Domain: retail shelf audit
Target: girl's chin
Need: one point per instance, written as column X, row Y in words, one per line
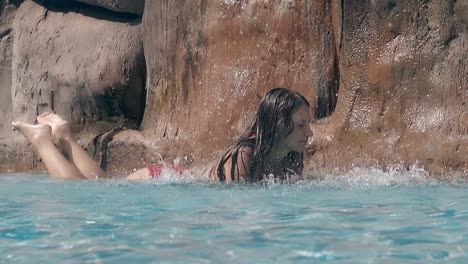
column 299, row 149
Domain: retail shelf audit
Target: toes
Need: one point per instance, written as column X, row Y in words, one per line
column 43, row 115
column 42, row 118
column 15, row 125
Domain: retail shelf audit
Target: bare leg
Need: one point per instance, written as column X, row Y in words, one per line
column 78, row 156
column 40, row 137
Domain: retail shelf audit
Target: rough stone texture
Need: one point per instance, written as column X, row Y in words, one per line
column 401, row 70
column 84, row 68
column 7, row 12
column 387, row 79
column 403, row 95
column 8, row 147
column 78, row 66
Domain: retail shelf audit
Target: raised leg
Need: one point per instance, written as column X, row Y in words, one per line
column 40, row 137
column 78, row 156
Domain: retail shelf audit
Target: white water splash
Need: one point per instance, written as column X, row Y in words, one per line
column 360, row 178
column 373, row 177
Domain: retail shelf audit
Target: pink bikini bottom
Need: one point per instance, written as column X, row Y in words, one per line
column 155, row 171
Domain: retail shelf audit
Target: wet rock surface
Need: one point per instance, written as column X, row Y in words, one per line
column 76, row 65
column 7, row 14
column 403, row 92
column 387, row 79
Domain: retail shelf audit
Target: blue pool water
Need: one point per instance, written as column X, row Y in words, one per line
column 363, row 217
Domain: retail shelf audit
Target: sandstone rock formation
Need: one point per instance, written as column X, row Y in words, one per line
column 399, row 67
column 9, row 146
column 387, row 79
column 404, row 86
column 87, row 68
column 7, row 12
column 90, row 66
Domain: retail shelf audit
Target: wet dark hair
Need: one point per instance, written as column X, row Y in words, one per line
column 271, row 125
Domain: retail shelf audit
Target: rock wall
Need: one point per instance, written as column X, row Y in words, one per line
column 86, row 65
column 387, row 79
column 82, row 63
column 403, row 87
column 8, row 144
column 399, row 69
column 7, row 12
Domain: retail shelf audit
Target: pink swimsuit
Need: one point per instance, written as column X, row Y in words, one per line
column 155, row 171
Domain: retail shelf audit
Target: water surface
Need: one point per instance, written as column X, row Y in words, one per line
column 365, row 217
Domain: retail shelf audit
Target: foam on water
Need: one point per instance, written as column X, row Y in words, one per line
column 373, row 177
column 363, row 178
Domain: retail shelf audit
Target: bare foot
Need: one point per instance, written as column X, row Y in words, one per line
column 60, row 127
column 33, row 133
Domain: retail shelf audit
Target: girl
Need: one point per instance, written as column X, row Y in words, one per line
column 272, row 145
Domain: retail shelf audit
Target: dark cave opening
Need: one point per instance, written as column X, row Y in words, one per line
column 97, row 12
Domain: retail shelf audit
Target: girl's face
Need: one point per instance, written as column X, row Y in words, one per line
column 298, row 138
